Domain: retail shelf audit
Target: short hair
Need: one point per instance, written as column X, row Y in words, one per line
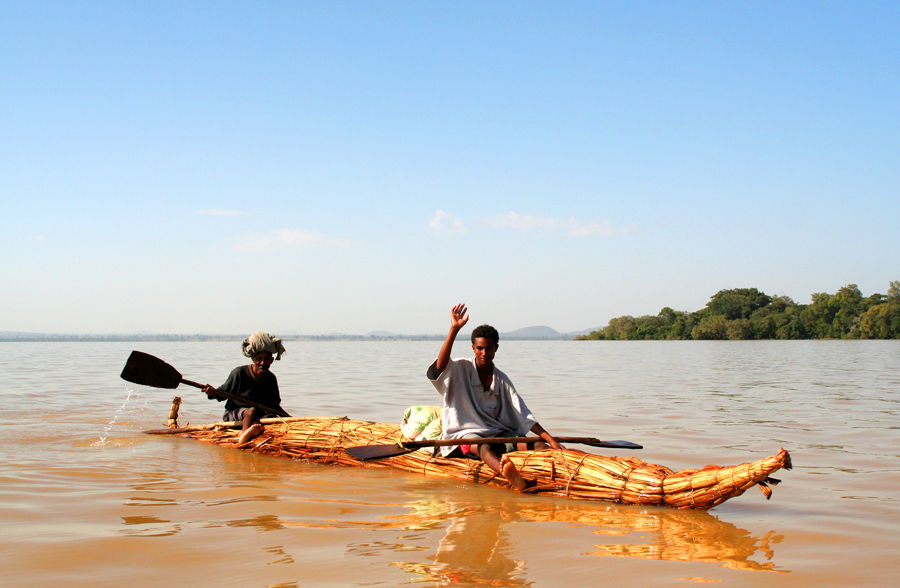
column 487, row 332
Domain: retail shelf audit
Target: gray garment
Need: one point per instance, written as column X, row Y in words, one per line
column 469, row 409
column 243, row 384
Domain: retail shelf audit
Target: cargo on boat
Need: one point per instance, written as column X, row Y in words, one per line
column 569, row 473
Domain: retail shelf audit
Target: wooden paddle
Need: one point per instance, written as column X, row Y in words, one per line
column 367, row 452
column 147, row 370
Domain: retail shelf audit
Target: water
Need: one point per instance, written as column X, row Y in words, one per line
column 87, row 500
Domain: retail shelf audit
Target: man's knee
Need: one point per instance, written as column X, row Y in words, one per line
column 485, row 450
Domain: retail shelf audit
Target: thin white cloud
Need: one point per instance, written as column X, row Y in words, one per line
column 35, row 237
column 603, row 228
column 220, row 212
column 568, row 226
column 521, row 222
column 279, row 239
column 444, row 222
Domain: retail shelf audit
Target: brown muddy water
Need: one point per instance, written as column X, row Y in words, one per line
column 86, row 499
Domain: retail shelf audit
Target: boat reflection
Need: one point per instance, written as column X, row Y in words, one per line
column 476, row 547
column 475, row 550
column 688, row 536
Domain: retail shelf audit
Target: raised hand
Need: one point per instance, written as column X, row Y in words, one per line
column 459, row 316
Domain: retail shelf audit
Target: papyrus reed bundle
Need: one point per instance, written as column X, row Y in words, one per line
column 569, row 473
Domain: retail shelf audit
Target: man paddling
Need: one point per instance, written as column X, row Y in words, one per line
column 255, row 382
column 481, row 401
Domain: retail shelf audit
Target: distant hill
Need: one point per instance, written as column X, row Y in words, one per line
column 537, row 332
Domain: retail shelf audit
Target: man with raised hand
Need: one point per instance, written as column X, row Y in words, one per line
column 481, row 401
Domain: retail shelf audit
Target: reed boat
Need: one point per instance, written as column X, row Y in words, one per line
column 569, row 473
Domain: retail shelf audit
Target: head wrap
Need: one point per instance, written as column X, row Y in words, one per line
column 260, row 341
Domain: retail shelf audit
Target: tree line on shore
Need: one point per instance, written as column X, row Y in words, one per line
column 747, row 313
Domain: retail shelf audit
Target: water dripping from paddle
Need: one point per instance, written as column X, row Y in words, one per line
column 131, row 395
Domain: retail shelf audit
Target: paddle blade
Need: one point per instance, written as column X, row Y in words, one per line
column 367, row 452
column 147, row 370
column 615, row 444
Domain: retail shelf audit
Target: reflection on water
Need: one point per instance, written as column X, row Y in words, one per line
column 475, row 549
column 144, row 526
column 281, row 557
column 476, row 545
column 262, row 522
column 476, row 542
column 682, row 536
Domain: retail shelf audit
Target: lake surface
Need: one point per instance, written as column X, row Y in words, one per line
column 86, row 499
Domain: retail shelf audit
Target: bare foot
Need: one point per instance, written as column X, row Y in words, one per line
column 251, row 432
column 512, row 475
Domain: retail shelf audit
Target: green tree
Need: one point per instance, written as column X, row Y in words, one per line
column 848, row 306
column 765, row 321
column 881, row 322
column 711, row 327
column 738, row 303
column 683, row 326
column 747, row 313
column 647, row 327
column 738, row 329
column 620, row 328
column 818, row 317
column 763, row 325
column 668, row 326
column 789, row 324
column 894, row 292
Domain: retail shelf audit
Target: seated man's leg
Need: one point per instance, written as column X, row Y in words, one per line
column 250, row 428
column 532, row 445
column 505, row 468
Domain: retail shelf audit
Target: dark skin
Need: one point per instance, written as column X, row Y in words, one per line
column 485, row 349
column 250, row 425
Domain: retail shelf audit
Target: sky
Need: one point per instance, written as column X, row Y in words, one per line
column 348, row 167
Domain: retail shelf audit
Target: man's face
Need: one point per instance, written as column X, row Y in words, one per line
column 484, row 349
column 262, row 361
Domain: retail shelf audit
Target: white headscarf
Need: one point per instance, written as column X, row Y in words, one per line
column 260, row 341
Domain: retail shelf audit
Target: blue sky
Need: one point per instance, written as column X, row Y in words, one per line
column 319, row 167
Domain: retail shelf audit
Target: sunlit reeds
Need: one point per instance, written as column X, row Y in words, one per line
column 568, row 473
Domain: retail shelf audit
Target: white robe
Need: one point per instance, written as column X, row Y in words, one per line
column 469, row 409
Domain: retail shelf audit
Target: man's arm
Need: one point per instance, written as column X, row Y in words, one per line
column 538, row 430
column 212, row 392
column 459, row 316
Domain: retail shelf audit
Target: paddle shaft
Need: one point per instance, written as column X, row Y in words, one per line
column 367, row 452
column 497, row 440
column 239, row 399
